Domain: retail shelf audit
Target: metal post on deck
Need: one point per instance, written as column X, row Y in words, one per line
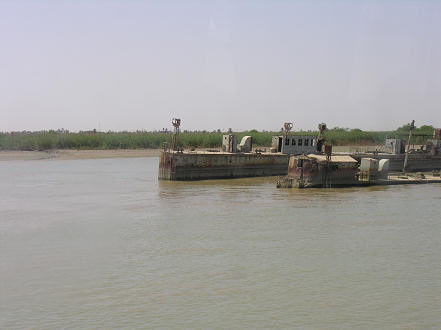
column 287, row 127
column 321, row 140
column 327, row 179
column 412, row 127
column 176, row 122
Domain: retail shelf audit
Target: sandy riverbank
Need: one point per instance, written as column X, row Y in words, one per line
column 122, row 153
column 78, row 154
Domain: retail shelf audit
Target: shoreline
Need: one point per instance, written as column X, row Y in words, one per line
column 69, row 154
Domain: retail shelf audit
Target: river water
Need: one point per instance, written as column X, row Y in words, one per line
column 102, row 244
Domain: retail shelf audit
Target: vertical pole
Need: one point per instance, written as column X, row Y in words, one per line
column 321, row 137
column 176, row 122
column 328, row 153
column 406, row 158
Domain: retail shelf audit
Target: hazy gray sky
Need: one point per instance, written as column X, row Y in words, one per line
column 127, row 65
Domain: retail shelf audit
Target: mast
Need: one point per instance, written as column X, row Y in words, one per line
column 176, row 122
column 412, row 127
column 287, row 127
column 321, row 140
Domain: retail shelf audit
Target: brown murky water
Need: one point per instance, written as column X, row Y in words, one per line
column 103, row 244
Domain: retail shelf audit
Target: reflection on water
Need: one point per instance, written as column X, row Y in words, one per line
column 103, row 244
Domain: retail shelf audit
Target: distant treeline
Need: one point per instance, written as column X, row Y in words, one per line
column 62, row 139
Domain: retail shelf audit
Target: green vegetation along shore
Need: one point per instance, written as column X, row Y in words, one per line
column 48, row 140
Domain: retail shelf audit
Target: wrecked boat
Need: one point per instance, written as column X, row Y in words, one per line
column 235, row 160
column 328, row 171
column 241, row 159
column 320, row 171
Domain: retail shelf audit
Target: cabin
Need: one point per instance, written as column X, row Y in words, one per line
column 294, row 144
column 394, row 146
column 433, row 147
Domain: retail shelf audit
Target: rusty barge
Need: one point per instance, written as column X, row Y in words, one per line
column 401, row 156
column 182, row 166
column 328, row 171
column 238, row 160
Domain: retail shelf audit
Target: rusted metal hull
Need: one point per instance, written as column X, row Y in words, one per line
column 304, row 171
column 322, row 179
column 180, row 166
column 342, row 171
column 199, row 166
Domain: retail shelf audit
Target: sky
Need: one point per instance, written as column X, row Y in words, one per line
column 134, row 65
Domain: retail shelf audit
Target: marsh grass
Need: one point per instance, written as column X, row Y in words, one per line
column 48, row 140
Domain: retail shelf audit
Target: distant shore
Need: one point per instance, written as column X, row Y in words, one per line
column 67, row 154
column 141, row 140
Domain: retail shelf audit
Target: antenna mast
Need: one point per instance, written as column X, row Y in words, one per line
column 287, row 127
column 412, row 127
column 176, row 122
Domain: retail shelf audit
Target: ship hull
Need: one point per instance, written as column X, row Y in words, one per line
column 417, row 162
column 189, row 166
column 180, row 166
